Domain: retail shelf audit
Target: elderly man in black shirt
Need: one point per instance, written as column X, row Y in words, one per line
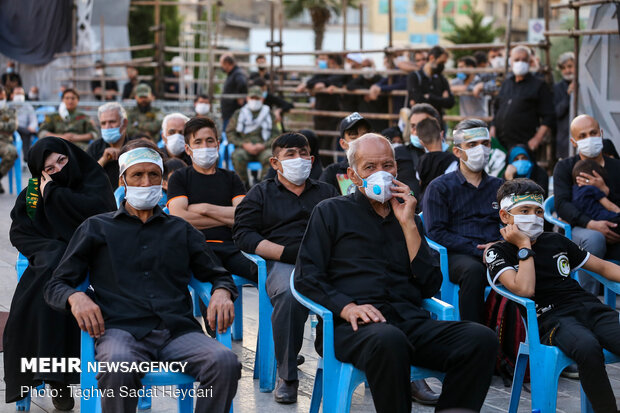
column 139, row 262
column 524, row 111
column 236, row 84
column 270, row 221
column 364, row 257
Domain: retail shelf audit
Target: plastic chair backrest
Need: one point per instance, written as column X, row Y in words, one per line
column 549, row 207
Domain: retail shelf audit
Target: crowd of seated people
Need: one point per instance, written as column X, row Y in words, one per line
column 350, row 231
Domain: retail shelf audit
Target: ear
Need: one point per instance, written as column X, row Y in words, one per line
column 275, row 164
column 573, row 142
column 121, row 182
column 312, row 159
column 343, row 144
column 357, row 181
column 456, row 151
column 188, row 150
column 504, row 216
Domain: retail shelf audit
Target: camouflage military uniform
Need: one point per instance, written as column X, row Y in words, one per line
column 8, row 152
column 77, row 122
column 148, row 122
column 240, row 158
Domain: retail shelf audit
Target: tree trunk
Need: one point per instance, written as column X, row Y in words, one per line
column 320, row 17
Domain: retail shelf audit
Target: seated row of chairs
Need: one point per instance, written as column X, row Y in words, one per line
column 335, row 381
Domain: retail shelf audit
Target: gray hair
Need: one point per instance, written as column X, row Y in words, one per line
column 564, row 58
column 106, row 107
column 353, row 147
column 175, row 115
column 522, row 49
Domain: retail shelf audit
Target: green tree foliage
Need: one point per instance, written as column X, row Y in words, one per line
column 320, row 12
column 472, row 32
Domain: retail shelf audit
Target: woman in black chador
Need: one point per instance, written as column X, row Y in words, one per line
column 68, row 186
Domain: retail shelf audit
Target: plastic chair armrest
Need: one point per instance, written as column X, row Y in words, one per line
column 443, row 310
column 612, row 285
column 203, row 289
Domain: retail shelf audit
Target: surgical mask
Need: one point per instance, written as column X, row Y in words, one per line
column 415, row 141
column 531, row 225
column 175, row 144
column 524, row 167
column 296, row 170
column 520, row 68
column 111, row 135
column 444, row 146
column 461, row 76
column 19, row 98
column 98, row 72
column 205, row 157
column 369, row 75
column 143, row 198
column 347, row 66
column 202, row 108
column 264, row 95
column 10, row 70
column 33, row 96
column 322, row 64
column 497, row 62
column 378, row 186
column 590, row 147
column 568, row 78
column 477, row 157
column 255, row 105
column 176, row 69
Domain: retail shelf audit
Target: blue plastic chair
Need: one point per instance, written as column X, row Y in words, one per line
column 336, row 381
column 42, row 111
column 549, row 207
column 16, row 170
column 265, row 359
column 182, row 381
column 546, row 362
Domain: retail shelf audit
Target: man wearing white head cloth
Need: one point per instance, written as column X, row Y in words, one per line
column 460, row 213
column 139, row 261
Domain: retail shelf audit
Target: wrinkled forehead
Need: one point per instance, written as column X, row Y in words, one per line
column 143, row 167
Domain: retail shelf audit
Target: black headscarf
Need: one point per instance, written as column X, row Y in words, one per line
column 79, row 190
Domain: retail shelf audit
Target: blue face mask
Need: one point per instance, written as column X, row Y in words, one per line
column 444, row 146
column 322, row 64
column 265, row 95
column 415, row 141
column 176, row 69
column 111, row 135
column 524, row 167
column 461, row 76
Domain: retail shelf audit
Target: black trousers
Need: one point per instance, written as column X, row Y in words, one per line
column 465, row 351
column 582, row 331
column 233, row 260
column 26, row 139
column 471, row 275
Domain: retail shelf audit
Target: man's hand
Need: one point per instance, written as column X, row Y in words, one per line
column 248, row 147
column 318, row 87
column 300, row 88
column 87, row 313
column 221, row 309
column 109, row 154
column 604, row 227
column 594, row 179
column 404, row 212
column 478, row 89
column 492, row 131
column 571, row 87
column 485, row 247
column 445, row 94
column 513, row 235
column 45, row 179
column 367, row 313
column 534, row 143
column 510, row 172
column 68, row 136
column 259, row 147
column 374, row 92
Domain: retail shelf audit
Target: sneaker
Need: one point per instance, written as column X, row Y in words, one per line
column 571, row 372
column 64, row 400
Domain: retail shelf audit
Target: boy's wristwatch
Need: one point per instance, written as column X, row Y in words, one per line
column 525, row 253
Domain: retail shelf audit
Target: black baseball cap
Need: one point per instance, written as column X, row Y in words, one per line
column 350, row 121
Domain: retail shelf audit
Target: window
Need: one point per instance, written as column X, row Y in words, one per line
column 489, row 8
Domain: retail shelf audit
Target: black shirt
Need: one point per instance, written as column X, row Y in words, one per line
column 220, row 188
column 351, row 254
column 407, row 160
column 236, row 83
column 335, row 172
column 419, row 84
column 139, row 271
column 96, row 149
column 270, row 211
column 520, row 108
column 183, row 156
column 433, row 165
column 563, row 189
column 556, row 256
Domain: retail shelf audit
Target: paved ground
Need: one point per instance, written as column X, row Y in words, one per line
column 248, row 398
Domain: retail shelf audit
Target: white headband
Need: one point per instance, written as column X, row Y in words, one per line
column 513, row 200
column 139, row 155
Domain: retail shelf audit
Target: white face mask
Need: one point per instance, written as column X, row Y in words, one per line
column 378, row 186
column 477, row 157
column 19, row 98
column 202, row 108
column 590, row 147
column 520, row 68
column 143, row 198
column 175, row 144
column 255, row 105
column 497, row 62
column 205, row 157
column 2, row 103
column 296, row 170
column 98, row 72
column 531, row 225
